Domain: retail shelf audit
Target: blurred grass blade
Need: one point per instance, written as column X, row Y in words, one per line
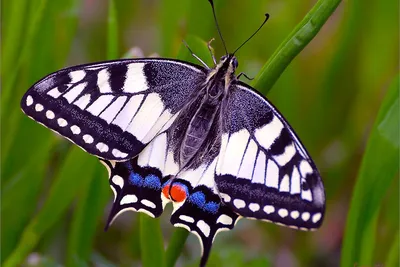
column 393, row 259
column 33, row 28
column 87, row 216
column 379, row 167
column 170, row 17
column 13, row 27
column 151, row 240
column 22, row 193
column 368, row 241
column 112, row 31
column 71, row 177
column 304, row 32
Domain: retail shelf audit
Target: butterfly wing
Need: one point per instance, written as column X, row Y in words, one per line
column 263, row 171
column 113, row 109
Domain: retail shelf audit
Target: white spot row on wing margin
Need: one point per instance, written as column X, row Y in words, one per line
column 76, row 130
column 268, row 209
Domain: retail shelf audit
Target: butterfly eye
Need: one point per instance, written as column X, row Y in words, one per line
column 235, row 63
column 224, row 57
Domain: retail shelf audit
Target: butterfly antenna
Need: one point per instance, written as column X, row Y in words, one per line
column 259, row 28
column 216, row 23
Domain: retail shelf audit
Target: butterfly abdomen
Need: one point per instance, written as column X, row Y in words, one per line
column 198, row 129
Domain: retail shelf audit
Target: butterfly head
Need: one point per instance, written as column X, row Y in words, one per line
column 224, row 72
column 230, row 59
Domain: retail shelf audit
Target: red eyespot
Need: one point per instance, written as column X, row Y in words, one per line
column 177, row 193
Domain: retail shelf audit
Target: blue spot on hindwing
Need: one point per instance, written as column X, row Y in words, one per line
column 198, row 198
column 152, row 181
column 211, row 207
column 136, row 179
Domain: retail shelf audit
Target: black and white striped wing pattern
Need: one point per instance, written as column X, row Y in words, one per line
column 263, row 171
column 113, row 109
column 149, row 181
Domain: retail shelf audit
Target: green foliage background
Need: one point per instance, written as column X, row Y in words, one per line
column 340, row 94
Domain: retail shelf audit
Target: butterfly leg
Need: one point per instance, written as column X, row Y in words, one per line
column 244, row 74
column 211, row 51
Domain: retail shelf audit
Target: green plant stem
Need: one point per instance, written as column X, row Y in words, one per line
column 373, row 181
column 304, row 32
column 175, row 246
column 151, row 242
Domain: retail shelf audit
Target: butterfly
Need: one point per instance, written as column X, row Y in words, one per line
column 171, row 131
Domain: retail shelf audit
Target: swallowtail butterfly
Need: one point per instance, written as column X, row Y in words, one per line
column 171, row 131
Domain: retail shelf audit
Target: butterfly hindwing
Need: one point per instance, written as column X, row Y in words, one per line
column 205, row 215
column 201, row 210
column 135, row 188
column 263, row 171
column 113, row 109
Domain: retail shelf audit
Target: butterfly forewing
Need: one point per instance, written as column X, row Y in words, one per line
column 113, row 109
column 263, row 170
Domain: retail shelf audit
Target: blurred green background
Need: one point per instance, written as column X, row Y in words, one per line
column 340, row 94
